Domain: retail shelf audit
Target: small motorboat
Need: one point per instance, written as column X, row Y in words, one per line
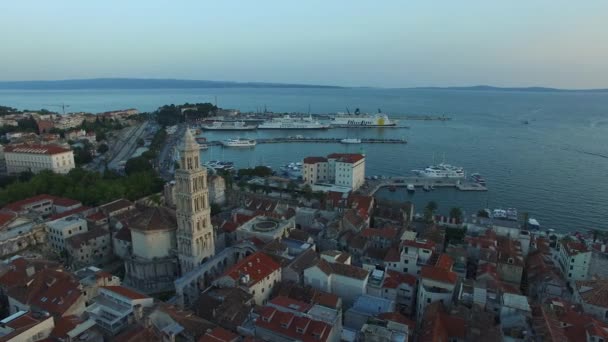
column 411, row 188
column 426, row 188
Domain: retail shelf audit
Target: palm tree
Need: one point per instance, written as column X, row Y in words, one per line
column 456, row 214
column 429, row 211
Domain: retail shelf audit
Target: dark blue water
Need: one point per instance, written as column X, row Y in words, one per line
column 556, row 167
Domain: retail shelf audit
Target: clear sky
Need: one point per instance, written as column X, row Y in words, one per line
column 342, row 42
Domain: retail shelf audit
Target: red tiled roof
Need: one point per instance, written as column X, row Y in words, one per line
column 329, row 300
column 6, row 217
column 594, row 292
column 298, row 328
column 574, row 247
column 22, row 321
column 438, row 274
column 125, row 292
column 17, row 274
column 63, row 325
column 65, row 202
column 346, row 157
column 36, row 149
column 258, row 266
column 392, row 279
column 229, row 226
column 51, row 290
column 349, row 271
column 314, row 160
column 445, row 262
column 61, row 201
column 419, row 244
column 98, row 216
column 392, row 255
column 219, row 334
column 123, row 234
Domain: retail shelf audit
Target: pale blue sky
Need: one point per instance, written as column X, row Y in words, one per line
column 373, row 43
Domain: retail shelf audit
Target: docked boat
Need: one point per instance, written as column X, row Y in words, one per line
column 533, row 224
column 227, row 126
column 411, row 188
column 219, row 165
column 350, row 141
column 238, row 142
column 426, row 188
column 442, row 170
column 477, row 178
column 362, row 120
column 508, row 214
column 287, row 122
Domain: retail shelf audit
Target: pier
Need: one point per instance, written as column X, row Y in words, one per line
column 372, row 186
column 315, row 140
column 427, row 117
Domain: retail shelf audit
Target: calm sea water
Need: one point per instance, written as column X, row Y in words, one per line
column 556, row 167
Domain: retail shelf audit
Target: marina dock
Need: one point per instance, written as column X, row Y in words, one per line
column 314, row 140
column 372, row 186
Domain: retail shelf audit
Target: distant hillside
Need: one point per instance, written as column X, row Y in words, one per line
column 142, row 83
column 525, row 89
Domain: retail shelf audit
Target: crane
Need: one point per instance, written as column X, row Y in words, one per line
column 63, row 106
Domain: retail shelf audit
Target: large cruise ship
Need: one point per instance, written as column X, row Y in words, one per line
column 288, row 122
column 238, row 142
column 362, row 120
column 442, row 170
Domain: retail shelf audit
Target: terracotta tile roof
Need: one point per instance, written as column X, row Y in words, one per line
column 98, row 216
column 445, row 262
column 123, row 234
column 363, row 203
column 424, row 244
column 385, row 233
column 63, row 325
column 227, row 307
column 125, row 292
column 342, row 269
column 23, row 321
column 438, row 274
column 6, row 217
column 17, row 275
column 346, row 157
column 392, row 279
column 305, row 260
column 392, row 255
column 19, row 205
column 219, row 334
column 153, row 218
column 258, row 266
column 329, row 300
column 314, row 160
column 195, row 326
column 35, row 149
column 298, row 328
column 137, row 334
column 437, row 325
column 54, row 291
column 574, row 247
column 229, row 226
column 594, row 292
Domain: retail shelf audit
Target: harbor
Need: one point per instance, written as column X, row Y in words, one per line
column 301, row 139
column 420, row 183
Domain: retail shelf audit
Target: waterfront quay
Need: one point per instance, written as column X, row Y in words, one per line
column 372, row 186
column 315, row 140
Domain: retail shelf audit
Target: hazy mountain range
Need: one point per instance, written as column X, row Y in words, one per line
column 145, row 83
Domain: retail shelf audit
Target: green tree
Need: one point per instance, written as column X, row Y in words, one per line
column 429, row 211
column 102, row 148
column 242, row 184
column 138, row 164
column 215, row 209
column 307, row 191
column 483, row 213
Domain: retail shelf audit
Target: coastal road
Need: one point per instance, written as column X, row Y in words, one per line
column 165, row 162
column 125, row 145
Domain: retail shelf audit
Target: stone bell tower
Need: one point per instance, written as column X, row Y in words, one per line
column 195, row 236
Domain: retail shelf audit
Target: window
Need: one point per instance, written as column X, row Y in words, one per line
column 428, row 300
column 569, row 275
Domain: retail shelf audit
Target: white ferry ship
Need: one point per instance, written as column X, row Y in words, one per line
column 350, row 141
column 238, row 142
column 442, row 170
column 288, row 122
column 362, row 120
column 227, row 126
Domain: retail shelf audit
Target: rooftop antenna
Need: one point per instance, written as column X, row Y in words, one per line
column 216, row 101
column 62, row 105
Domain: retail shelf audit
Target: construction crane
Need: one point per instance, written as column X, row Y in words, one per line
column 63, row 106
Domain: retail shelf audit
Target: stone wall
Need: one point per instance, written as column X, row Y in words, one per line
column 37, row 236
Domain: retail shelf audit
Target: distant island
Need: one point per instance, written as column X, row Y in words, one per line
column 157, row 83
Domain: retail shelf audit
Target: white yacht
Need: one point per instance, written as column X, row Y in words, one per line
column 442, row 170
column 410, row 188
column 227, row 126
column 238, row 142
column 287, row 122
column 350, row 141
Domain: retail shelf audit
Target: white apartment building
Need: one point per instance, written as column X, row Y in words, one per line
column 62, row 229
column 436, row 284
column 346, row 281
column 343, row 169
column 36, row 158
column 574, row 259
column 413, row 254
column 115, row 307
